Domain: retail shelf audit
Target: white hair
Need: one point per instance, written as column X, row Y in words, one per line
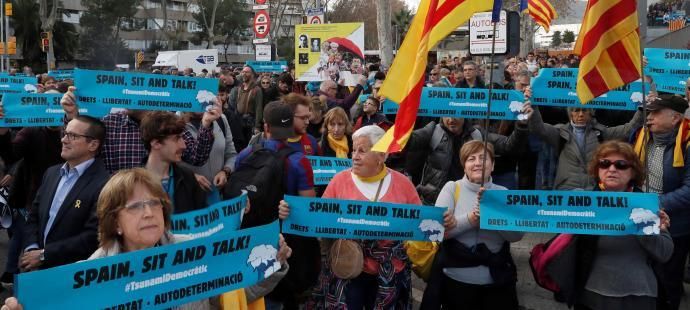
column 373, row 132
column 325, row 85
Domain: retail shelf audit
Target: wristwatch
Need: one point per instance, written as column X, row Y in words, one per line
column 42, row 256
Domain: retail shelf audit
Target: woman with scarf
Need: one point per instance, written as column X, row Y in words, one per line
column 383, row 280
column 473, row 268
column 336, row 140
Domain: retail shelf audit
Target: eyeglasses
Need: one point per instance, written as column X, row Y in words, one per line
column 619, row 164
column 138, row 207
column 70, row 136
column 303, row 118
column 433, row 74
column 265, row 83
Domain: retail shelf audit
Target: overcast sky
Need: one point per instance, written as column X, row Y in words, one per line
column 412, row 4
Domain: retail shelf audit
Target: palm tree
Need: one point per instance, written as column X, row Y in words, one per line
column 27, row 27
column 401, row 23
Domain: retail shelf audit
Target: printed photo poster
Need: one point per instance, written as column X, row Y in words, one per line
column 329, row 51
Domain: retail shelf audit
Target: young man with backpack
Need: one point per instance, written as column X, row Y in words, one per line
column 267, row 171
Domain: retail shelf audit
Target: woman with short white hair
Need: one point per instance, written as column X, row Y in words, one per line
column 365, row 274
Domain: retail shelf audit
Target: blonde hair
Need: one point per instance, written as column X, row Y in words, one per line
column 334, row 114
column 475, row 146
column 114, row 196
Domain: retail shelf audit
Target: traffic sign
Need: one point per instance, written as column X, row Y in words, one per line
column 260, row 41
column 316, row 19
column 260, row 7
column 262, row 24
column 260, row 1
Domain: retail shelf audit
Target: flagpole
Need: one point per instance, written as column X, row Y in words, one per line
column 488, row 105
column 642, row 26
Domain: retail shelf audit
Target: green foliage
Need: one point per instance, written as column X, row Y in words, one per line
column 568, row 37
column 101, row 23
column 27, row 29
column 556, row 39
column 232, row 19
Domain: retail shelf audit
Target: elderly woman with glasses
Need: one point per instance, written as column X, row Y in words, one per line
column 379, row 276
column 134, row 213
column 615, row 272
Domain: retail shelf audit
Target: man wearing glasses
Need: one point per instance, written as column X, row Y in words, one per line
column 664, row 153
column 471, row 78
column 62, row 225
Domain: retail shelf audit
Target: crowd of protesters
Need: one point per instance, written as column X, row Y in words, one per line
column 131, row 170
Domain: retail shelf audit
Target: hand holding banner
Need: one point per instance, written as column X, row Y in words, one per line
column 141, row 91
column 158, row 277
column 353, row 219
column 573, row 212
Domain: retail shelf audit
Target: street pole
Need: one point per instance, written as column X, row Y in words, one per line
column 2, row 36
column 7, row 36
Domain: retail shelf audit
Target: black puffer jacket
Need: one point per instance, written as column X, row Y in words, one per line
column 430, row 154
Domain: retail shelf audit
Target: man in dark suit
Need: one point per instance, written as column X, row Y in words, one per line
column 62, row 225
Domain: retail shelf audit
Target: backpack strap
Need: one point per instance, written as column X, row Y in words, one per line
column 436, row 137
column 221, row 124
column 477, row 135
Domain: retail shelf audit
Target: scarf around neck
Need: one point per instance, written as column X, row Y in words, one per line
column 682, row 142
column 339, row 146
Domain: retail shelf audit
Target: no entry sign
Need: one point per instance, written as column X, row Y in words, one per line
column 262, row 24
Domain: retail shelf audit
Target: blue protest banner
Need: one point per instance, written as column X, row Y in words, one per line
column 661, row 61
column 221, row 216
column 668, row 68
column 670, row 83
column 574, row 212
column 156, row 278
column 325, row 168
column 557, row 87
column 466, row 103
column 142, row 91
column 268, row 66
column 352, row 219
column 66, row 74
column 36, row 110
column 17, row 84
column 32, row 110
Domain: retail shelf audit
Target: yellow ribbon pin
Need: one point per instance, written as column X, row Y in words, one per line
column 77, row 204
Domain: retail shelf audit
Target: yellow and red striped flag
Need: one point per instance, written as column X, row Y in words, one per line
column 676, row 24
column 435, row 19
column 609, row 47
column 540, row 10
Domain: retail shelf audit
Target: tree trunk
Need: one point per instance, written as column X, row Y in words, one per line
column 47, row 24
column 385, row 31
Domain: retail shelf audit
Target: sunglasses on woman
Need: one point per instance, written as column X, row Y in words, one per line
column 619, row 164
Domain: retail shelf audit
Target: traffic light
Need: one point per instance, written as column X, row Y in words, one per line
column 45, row 41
